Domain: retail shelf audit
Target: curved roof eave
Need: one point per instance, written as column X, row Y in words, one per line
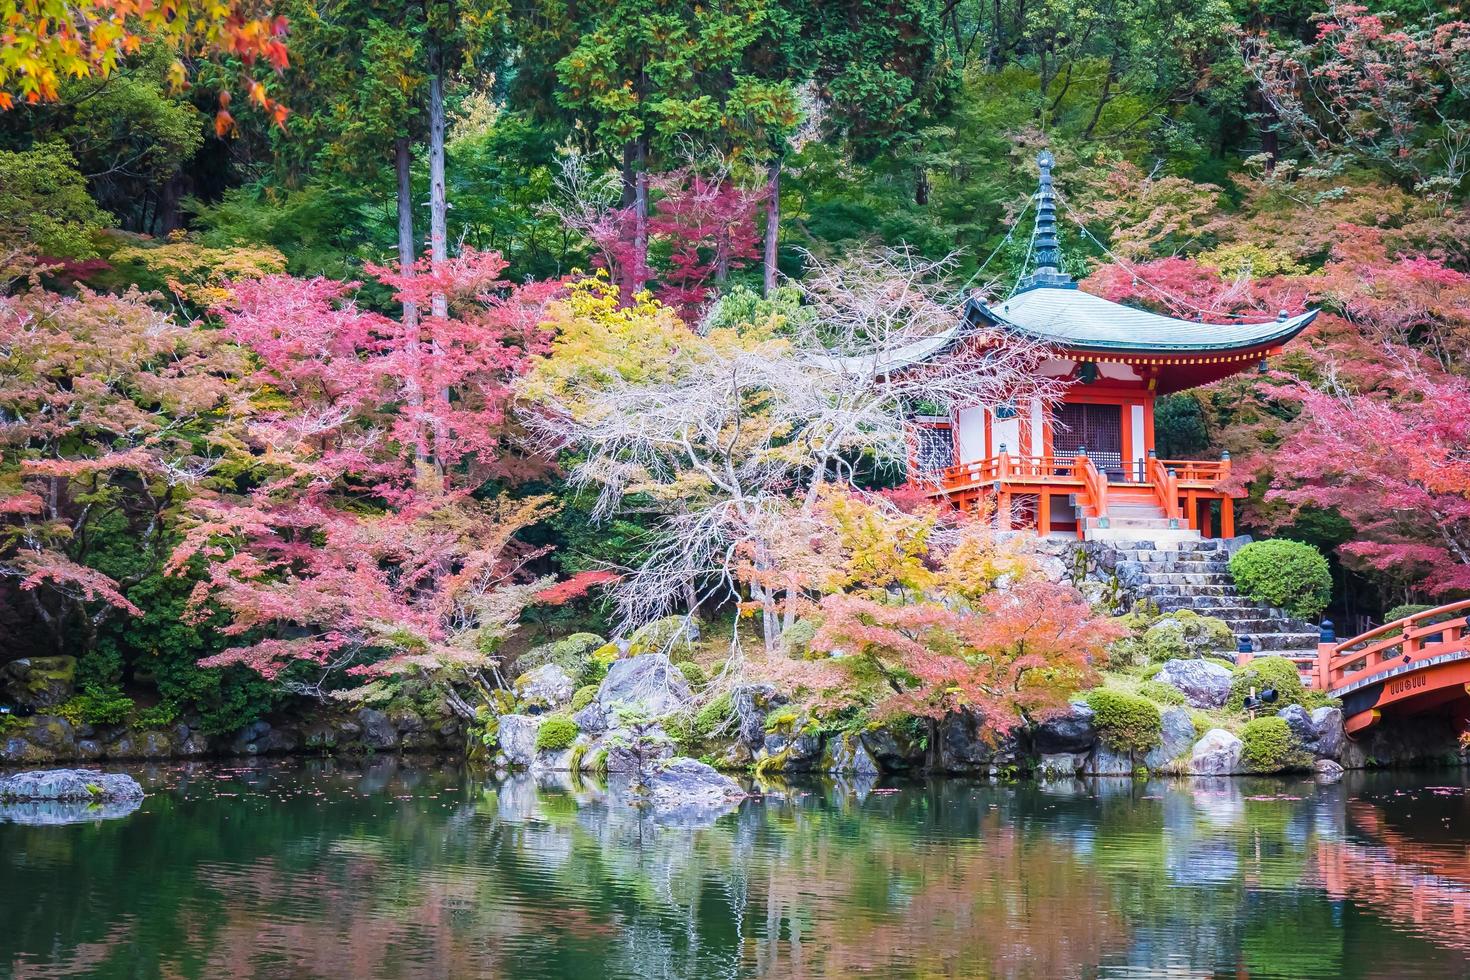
column 1091, row 323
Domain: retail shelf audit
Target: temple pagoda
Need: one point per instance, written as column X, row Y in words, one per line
column 1086, row 464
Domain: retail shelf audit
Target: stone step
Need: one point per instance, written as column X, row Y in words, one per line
column 1182, row 537
column 1192, row 567
column 1185, row 578
column 1161, row 592
column 1297, row 643
column 1155, row 556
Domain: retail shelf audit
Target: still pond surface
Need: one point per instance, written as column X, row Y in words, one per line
column 313, row 870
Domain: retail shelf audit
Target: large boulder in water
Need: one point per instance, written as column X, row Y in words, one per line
column 518, row 738
column 1216, row 754
column 1327, row 723
column 683, row 782
column 1203, row 684
column 966, row 746
column 751, row 704
column 1177, row 736
column 75, row 785
column 65, row 796
column 1071, row 733
column 648, row 684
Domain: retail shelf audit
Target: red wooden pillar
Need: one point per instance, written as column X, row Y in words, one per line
column 1227, row 517
column 1043, row 512
column 1205, row 519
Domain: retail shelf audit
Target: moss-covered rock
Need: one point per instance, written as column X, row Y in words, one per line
column 556, row 733
column 570, row 653
column 672, row 635
column 1125, row 722
column 1268, row 746
column 1277, row 673
column 583, row 696
column 39, row 682
column 1160, row 693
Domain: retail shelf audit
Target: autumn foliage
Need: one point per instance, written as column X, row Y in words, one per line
column 932, row 614
column 361, row 543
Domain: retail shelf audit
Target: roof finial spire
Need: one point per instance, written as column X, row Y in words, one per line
column 1048, row 248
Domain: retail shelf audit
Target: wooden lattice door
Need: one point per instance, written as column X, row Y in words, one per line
column 1095, row 428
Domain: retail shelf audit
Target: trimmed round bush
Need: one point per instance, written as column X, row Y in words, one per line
column 1274, row 672
column 556, row 733
column 1268, row 746
column 1184, row 635
column 1160, row 693
column 584, row 696
column 1287, row 574
column 1126, row 722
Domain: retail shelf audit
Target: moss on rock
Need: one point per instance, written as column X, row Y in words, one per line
column 1277, row 673
column 1125, row 722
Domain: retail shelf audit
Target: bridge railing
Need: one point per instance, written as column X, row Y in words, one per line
column 1391, row 645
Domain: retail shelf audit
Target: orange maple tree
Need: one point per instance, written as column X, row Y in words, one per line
column 43, row 42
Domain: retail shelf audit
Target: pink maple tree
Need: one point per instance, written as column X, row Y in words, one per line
column 1396, row 463
column 700, row 228
column 109, row 420
column 361, row 540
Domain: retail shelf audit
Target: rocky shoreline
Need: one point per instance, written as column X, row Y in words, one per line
column 639, row 718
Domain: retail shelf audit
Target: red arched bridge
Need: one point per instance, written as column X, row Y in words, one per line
column 1410, row 666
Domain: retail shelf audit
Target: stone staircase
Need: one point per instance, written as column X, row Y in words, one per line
column 1195, row 575
column 1134, row 513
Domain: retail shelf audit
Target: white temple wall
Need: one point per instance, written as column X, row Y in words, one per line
column 1006, row 432
column 1139, row 448
column 971, row 435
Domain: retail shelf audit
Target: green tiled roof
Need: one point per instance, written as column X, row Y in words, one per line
column 1068, row 317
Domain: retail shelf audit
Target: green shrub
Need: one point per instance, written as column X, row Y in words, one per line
column 693, row 673
column 97, row 706
column 1287, row 574
column 595, row 668
column 1126, row 722
column 1269, row 746
column 798, row 639
column 556, row 733
column 570, row 653
column 1160, row 693
column 713, row 715
column 1404, row 610
column 1150, row 671
column 584, row 696
column 1156, row 638
column 1273, row 672
column 669, row 635
column 161, row 715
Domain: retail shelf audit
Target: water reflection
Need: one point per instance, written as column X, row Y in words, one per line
column 310, row 870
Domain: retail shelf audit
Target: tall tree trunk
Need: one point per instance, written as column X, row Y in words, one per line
column 407, row 247
column 438, row 201
column 407, row 255
column 640, row 220
column 438, row 219
column 633, row 276
column 773, row 220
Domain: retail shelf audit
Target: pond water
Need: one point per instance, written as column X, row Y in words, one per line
column 309, row 869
